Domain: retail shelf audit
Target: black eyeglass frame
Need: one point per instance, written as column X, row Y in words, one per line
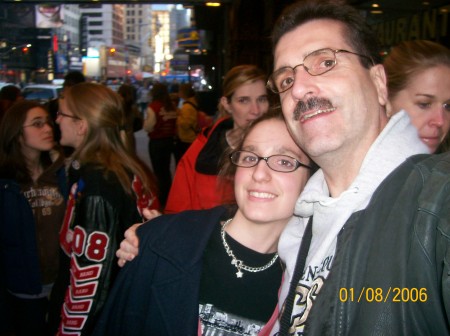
column 298, row 164
column 62, row 114
column 271, row 82
column 40, row 123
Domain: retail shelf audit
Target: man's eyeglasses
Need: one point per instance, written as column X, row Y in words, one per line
column 316, row 63
column 61, row 114
column 279, row 163
column 40, row 123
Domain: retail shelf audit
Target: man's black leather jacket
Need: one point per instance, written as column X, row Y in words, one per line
column 391, row 272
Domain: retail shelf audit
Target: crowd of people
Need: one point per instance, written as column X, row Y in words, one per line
column 344, row 229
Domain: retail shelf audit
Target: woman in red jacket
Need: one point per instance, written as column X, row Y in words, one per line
column 195, row 183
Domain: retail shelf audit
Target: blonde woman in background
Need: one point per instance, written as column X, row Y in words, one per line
column 418, row 74
column 244, row 98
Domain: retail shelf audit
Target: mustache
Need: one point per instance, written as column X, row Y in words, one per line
column 312, row 104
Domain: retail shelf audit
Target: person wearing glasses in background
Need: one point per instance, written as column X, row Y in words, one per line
column 368, row 253
column 210, row 271
column 109, row 188
column 70, row 79
column 32, row 205
column 418, row 80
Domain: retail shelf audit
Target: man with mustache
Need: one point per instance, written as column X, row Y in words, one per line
column 373, row 223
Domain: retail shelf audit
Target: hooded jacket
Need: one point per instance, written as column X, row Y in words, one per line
column 195, row 184
column 394, row 256
column 379, row 235
column 19, row 262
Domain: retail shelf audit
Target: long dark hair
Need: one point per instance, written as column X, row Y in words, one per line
column 12, row 161
column 159, row 92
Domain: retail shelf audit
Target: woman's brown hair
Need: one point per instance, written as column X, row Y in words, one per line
column 106, row 143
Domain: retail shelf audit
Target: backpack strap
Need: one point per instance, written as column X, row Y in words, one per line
column 192, row 104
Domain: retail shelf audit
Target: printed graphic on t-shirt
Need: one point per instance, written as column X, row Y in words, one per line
column 306, row 292
column 43, row 199
column 217, row 322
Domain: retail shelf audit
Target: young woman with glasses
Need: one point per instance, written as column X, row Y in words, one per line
column 32, row 205
column 109, row 187
column 195, row 185
column 205, row 271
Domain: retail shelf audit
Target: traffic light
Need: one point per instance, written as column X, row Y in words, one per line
column 112, row 51
column 25, row 50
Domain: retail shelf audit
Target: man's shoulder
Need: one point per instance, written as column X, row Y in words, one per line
column 431, row 171
column 425, row 165
column 420, row 183
column 434, row 162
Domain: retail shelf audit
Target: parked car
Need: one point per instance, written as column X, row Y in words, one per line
column 2, row 84
column 41, row 92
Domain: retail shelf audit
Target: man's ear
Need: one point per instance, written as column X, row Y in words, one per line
column 379, row 79
column 225, row 104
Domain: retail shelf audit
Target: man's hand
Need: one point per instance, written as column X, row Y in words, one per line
column 129, row 247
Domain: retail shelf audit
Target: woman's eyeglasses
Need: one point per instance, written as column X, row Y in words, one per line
column 279, row 163
column 61, row 114
column 40, row 123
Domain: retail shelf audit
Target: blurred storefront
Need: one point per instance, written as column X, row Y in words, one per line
column 216, row 39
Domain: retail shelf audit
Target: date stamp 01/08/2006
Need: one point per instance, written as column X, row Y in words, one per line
column 391, row 294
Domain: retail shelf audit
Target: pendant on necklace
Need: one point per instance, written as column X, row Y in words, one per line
column 239, row 274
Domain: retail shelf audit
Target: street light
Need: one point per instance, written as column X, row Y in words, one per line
column 23, row 46
column 25, row 49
